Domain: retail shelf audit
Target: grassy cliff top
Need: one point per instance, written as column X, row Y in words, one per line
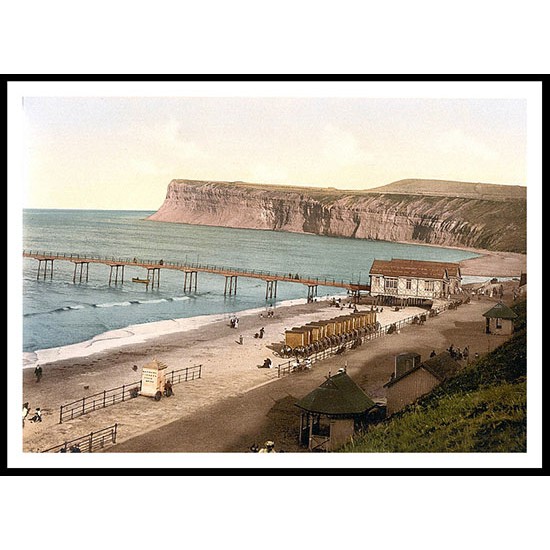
column 426, row 187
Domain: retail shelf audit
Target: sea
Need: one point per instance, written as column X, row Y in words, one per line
column 58, row 312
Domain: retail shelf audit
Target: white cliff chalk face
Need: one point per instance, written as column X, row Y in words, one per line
column 493, row 223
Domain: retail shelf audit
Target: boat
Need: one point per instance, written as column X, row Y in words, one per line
column 138, row 280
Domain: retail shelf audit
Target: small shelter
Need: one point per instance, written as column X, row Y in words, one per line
column 499, row 319
column 406, row 388
column 331, row 412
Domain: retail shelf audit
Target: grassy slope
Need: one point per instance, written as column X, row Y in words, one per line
column 482, row 409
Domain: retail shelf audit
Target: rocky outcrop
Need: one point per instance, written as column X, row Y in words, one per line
column 497, row 223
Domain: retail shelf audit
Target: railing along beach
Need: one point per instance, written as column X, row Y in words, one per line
column 106, row 398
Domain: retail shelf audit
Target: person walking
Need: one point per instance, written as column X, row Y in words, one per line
column 262, row 330
column 38, row 373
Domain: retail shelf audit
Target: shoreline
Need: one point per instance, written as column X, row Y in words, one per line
column 137, row 334
column 487, row 264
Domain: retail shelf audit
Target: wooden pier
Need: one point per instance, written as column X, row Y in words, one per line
column 190, row 271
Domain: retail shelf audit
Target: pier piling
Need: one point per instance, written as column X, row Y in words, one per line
column 117, row 267
column 188, row 279
column 151, row 276
column 230, row 285
column 81, row 266
column 45, row 260
column 311, row 292
column 271, row 289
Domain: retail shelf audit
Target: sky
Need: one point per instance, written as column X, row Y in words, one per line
column 115, row 151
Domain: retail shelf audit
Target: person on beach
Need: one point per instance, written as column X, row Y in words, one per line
column 241, row 339
column 37, row 415
column 433, row 353
column 269, row 447
column 262, row 330
column 26, row 410
column 38, row 373
column 267, row 363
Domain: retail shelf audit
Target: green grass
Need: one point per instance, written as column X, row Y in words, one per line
column 482, row 409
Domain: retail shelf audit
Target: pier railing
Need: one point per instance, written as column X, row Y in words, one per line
column 89, row 443
column 106, row 398
column 193, row 266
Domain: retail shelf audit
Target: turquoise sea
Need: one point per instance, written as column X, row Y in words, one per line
column 58, row 312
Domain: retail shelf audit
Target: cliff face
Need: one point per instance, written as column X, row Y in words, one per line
column 493, row 224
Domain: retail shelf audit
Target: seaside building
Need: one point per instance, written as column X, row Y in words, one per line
column 413, row 282
column 332, row 412
column 499, row 319
column 406, row 387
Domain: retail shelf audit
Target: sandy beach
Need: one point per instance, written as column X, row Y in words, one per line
column 494, row 264
column 229, row 369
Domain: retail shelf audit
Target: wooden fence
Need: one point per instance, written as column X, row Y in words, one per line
column 110, row 397
column 94, row 441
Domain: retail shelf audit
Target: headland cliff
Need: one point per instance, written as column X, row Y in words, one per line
column 445, row 213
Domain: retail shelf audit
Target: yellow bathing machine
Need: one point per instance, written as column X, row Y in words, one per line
column 326, row 333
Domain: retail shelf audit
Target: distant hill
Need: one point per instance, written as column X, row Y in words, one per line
column 446, row 188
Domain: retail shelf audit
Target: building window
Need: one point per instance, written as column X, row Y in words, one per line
column 408, row 284
column 391, row 283
column 429, row 285
column 499, row 323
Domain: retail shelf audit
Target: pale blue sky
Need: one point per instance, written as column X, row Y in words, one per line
column 121, row 152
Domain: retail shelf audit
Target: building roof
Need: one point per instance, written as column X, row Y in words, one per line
column 442, row 366
column 500, row 311
column 414, row 268
column 338, row 395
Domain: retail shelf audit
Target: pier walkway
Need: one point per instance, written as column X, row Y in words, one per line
column 190, row 271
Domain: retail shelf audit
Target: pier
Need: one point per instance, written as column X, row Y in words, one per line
column 190, row 271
